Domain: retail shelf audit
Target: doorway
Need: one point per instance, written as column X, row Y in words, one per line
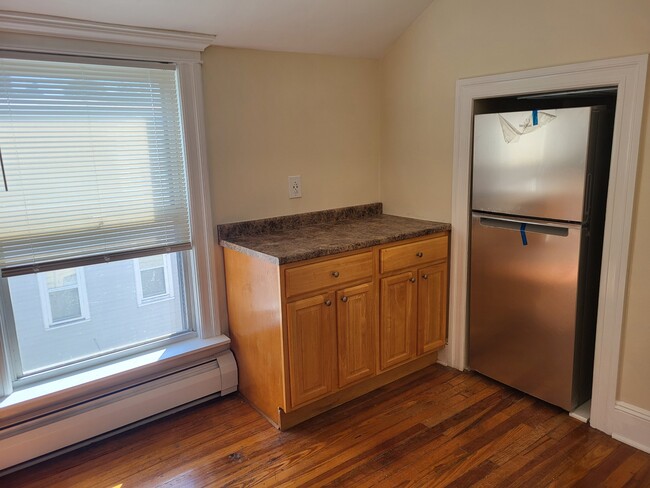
column 628, row 76
column 538, row 214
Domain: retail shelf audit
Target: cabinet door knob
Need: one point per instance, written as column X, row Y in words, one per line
column 344, row 298
column 328, row 303
column 425, row 276
column 335, row 274
column 412, row 280
column 419, row 254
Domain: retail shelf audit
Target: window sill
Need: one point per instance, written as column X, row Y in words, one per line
column 49, row 396
column 67, row 323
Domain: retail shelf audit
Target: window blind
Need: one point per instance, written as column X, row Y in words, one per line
column 94, row 164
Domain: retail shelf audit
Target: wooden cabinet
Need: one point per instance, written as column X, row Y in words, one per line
column 311, row 338
column 311, row 335
column 397, row 319
column 331, row 342
column 413, row 318
column 357, row 356
column 432, row 307
column 331, row 335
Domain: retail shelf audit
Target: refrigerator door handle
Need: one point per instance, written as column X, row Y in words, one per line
column 589, row 184
column 515, row 225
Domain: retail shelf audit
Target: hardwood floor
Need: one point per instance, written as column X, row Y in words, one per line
column 438, row 427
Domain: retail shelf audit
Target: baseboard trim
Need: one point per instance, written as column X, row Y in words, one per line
column 115, row 411
column 631, row 425
column 106, row 435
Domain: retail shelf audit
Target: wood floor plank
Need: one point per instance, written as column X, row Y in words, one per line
column 554, row 459
column 430, row 445
column 376, row 428
column 514, row 457
column 618, row 457
column 177, row 448
column 293, row 454
column 437, row 427
column 370, row 469
column 598, row 451
column 485, row 431
column 321, row 449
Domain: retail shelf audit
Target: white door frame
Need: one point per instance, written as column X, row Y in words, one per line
column 628, row 75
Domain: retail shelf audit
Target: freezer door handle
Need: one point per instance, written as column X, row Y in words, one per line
column 514, row 225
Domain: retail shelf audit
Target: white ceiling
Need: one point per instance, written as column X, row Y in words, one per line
column 360, row 28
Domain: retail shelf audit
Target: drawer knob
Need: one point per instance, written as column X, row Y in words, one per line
column 425, row 276
column 419, row 254
column 328, row 303
column 344, row 298
column 335, row 274
column 412, row 280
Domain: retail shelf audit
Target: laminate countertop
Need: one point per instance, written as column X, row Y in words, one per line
column 299, row 237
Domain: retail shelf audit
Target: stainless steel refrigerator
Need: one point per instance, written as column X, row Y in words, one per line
column 539, row 185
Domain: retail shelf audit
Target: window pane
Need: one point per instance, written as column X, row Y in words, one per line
column 65, row 304
column 62, row 277
column 149, row 262
column 115, row 321
column 153, row 282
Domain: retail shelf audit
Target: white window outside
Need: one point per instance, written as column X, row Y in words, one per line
column 153, row 279
column 63, row 297
column 91, row 314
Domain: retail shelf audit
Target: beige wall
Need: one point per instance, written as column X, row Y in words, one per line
column 271, row 115
column 465, row 38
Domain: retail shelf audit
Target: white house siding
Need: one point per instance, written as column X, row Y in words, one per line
column 115, row 320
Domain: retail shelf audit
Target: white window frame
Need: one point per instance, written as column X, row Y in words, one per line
column 194, row 280
column 199, row 266
column 205, row 296
column 169, row 283
column 46, row 303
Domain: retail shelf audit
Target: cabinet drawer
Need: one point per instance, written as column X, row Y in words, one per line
column 413, row 254
column 325, row 274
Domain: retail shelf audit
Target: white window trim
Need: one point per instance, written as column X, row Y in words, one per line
column 57, row 35
column 169, row 284
column 46, row 303
column 209, row 301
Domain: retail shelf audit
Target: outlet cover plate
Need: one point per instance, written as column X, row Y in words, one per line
column 295, row 187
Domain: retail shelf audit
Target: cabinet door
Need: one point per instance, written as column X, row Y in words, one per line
column 432, row 307
column 356, row 333
column 312, row 347
column 398, row 319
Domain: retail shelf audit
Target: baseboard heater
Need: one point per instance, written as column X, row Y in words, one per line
column 79, row 423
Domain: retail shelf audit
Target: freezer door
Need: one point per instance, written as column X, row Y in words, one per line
column 541, row 173
column 523, row 295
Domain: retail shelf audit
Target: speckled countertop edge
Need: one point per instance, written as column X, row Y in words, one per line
column 308, row 236
column 228, row 232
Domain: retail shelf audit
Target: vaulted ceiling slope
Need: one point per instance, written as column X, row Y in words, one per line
column 357, row 28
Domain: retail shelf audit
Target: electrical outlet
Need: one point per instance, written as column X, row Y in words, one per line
column 295, row 187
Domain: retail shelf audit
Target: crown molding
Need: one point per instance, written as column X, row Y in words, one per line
column 45, row 25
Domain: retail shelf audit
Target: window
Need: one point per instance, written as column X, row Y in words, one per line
column 153, row 279
column 91, row 314
column 95, row 162
column 63, row 297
